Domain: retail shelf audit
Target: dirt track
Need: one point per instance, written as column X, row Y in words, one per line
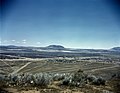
column 16, row 71
column 104, row 68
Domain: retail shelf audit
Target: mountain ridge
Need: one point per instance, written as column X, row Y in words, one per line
column 58, row 47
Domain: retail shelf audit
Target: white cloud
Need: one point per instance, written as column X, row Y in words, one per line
column 13, row 40
column 24, row 40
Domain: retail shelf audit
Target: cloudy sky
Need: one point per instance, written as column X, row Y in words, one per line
column 71, row 23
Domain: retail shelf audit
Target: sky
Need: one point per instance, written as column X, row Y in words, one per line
column 71, row 23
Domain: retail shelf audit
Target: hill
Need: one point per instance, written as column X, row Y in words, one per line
column 116, row 49
column 56, row 47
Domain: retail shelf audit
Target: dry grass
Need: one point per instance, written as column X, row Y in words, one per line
column 37, row 66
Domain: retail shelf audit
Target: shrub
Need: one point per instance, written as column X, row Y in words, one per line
column 95, row 80
column 77, row 79
column 91, row 78
column 42, row 79
column 58, row 77
column 2, row 82
column 99, row 81
column 67, row 80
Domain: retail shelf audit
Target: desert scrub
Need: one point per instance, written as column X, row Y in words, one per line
column 39, row 79
column 59, row 76
column 91, row 79
column 42, row 79
column 99, row 81
column 77, row 79
column 2, row 81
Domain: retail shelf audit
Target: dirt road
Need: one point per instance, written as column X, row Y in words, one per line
column 93, row 70
column 16, row 71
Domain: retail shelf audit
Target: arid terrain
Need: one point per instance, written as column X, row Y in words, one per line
column 51, row 70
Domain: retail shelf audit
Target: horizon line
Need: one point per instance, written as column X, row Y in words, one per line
column 54, row 44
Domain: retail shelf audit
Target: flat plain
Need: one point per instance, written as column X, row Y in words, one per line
column 101, row 64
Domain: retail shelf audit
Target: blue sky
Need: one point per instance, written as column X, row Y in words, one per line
column 71, row 23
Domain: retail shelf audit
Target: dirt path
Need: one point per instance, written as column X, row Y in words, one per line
column 103, row 68
column 16, row 71
column 7, row 64
column 32, row 69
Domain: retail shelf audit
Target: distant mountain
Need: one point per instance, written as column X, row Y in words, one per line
column 55, row 47
column 116, row 49
column 12, row 51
